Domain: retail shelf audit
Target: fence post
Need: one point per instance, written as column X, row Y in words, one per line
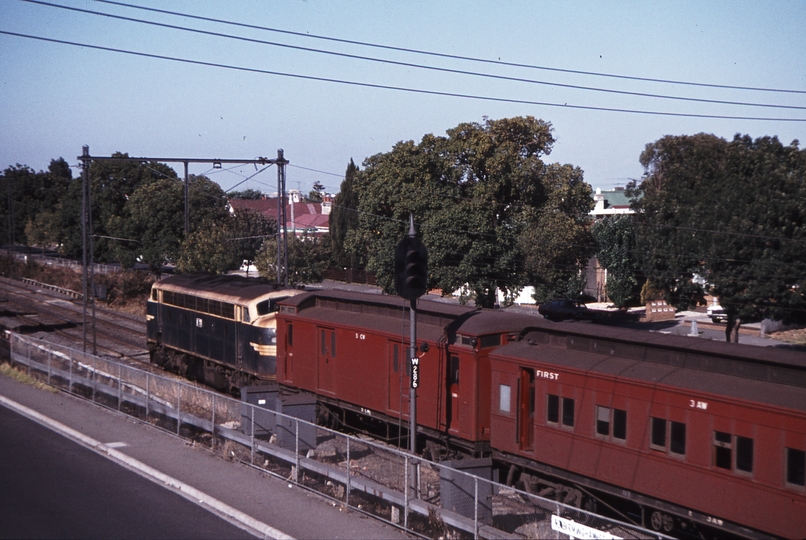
column 212, row 439
column 28, row 348
column 70, row 372
column 347, row 490
column 252, row 408
column 296, row 450
column 120, row 386
column 49, row 358
column 476, row 507
column 178, row 407
column 406, row 492
column 94, row 374
column 148, row 394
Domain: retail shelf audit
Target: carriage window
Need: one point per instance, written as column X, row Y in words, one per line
column 605, row 416
column 676, row 435
column 333, row 344
column 490, row 341
column 602, row 420
column 504, row 398
column 659, row 432
column 454, row 370
column 553, row 409
column 246, row 314
column 290, row 335
column 619, row 424
column 724, row 455
column 323, row 343
column 678, row 445
column 744, row 454
column 796, row 467
column 568, row 412
column 722, row 450
column 395, row 357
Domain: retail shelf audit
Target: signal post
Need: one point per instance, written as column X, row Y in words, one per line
column 411, row 281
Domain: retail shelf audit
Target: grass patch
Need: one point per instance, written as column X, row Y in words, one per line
column 796, row 336
column 14, row 373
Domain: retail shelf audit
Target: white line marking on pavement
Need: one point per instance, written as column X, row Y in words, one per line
column 189, row 492
column 116, row 445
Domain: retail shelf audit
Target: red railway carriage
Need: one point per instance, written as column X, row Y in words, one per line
column 688, row 430
column 351, row 350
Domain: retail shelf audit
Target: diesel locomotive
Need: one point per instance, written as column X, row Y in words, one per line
column 217, row 329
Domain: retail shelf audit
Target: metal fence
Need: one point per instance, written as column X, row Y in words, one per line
column 427, row 498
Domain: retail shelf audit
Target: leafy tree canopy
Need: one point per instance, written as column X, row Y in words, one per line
column 616, row 252
column 317, row 194
column 344, row 218
column 733, row 213
column 27, row 193
column 483, row 200
column 252, row 194
column 308, row 257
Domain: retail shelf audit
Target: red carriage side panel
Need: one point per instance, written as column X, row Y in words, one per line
column 710, row 442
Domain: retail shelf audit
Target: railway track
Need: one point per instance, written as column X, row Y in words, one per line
column 54, row 316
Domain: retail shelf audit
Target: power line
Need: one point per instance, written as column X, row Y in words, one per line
column 451, row 56
column 398, row 88
column 422, row 66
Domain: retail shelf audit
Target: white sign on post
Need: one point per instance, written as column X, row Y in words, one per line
column 578, row 530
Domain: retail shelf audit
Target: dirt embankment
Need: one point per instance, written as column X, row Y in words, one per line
column 126, row 290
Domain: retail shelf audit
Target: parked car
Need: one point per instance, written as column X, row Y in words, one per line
column 717, row 313
column 561, row 309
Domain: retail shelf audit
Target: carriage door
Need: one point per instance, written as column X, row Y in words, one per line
column 453, row 392
column 399, row 379
column 526, row 409
column 327, row 360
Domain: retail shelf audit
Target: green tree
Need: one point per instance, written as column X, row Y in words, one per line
column 112, row 183
column 29, row 193
column 344, row 218
column 252, row 194
column 616, row 252
column 308, row 257
column 41, row 230
column 207, row 249
column 151, row 225
column 247, row 231
column 733, row 213
column 317, row 194
column 474, row 194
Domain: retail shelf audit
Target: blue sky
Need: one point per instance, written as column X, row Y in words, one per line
column 55, row 98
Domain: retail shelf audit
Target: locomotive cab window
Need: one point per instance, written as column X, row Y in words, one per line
column 490, row 341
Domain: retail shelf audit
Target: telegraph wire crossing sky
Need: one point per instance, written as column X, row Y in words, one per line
column 330, row 81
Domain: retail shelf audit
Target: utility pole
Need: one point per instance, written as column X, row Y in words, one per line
column 282, row 232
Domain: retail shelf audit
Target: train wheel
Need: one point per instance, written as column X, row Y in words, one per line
column 661, row 522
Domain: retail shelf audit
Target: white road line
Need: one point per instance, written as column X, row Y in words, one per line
column 237, row 517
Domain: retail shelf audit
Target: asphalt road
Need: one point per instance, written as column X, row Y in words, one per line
column 54, row 488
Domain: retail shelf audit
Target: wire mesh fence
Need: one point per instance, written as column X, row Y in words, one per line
column 277, row 433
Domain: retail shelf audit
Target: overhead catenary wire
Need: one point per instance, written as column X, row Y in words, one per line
column 397, row 88
column 421, row 66
column 451, row 56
